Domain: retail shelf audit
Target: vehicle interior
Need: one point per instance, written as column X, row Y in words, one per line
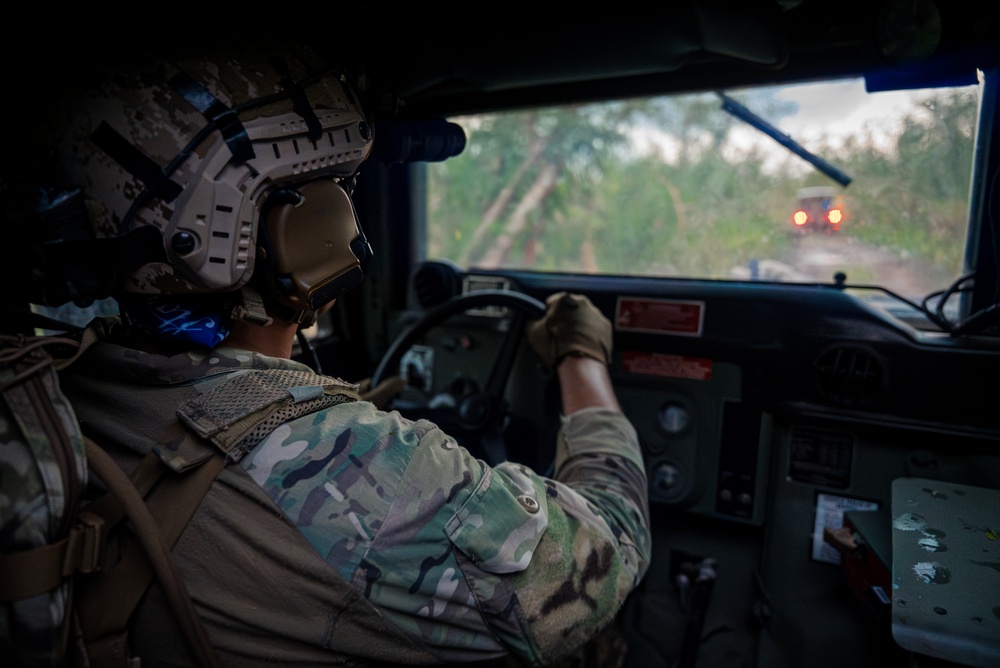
column 818, row 412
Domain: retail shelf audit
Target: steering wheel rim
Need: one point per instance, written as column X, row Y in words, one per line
column 529, row 306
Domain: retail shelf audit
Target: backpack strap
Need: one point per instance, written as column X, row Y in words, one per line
column 215, row 428
column 31, row 572
column 27, row 389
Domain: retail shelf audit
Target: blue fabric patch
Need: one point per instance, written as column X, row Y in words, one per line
column 179, row 321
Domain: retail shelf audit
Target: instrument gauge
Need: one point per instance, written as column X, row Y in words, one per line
column 674, row 418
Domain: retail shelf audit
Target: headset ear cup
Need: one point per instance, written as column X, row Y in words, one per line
column 313, row 243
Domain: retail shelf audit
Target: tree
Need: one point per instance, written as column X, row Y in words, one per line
column 662, row 187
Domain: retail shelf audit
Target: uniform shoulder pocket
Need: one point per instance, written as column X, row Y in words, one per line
column 500, row 524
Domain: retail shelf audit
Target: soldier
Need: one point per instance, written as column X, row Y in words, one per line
column 335, row 531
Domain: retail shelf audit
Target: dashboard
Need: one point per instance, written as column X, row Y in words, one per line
column 765, row 413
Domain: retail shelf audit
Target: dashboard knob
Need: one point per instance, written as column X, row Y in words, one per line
column 667, row 479
column 674, row 418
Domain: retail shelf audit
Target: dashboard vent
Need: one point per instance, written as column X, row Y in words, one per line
column 435, row 282
column 849, row 375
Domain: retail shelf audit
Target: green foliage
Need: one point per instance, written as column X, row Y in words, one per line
column 569, row 192
column 914, row 197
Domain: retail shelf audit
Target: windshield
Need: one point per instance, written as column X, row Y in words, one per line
column 679, row 187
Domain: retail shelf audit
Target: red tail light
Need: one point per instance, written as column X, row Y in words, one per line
column 835, row 216
column 800, row 217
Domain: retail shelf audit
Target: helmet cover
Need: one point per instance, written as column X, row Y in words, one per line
column 192, row 143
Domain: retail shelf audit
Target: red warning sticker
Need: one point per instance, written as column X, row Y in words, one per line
column 659, row 316
column 670, row 366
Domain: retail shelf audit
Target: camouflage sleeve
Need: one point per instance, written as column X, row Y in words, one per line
column 550, row 577
column 469, row 560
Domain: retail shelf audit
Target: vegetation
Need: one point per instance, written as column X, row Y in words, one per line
column 661, row 187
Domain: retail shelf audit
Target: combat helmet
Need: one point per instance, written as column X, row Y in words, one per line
column 202, row 163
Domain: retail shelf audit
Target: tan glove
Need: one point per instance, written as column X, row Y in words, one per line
column 572, row 325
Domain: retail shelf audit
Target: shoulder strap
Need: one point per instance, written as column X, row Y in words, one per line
column 187, row 492
column 239, row 413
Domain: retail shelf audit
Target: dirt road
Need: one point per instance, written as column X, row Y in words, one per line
column 818, row 257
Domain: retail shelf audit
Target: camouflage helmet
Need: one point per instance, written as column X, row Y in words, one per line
column 192, row 143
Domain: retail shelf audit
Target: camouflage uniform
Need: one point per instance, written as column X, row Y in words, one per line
column 468, row 561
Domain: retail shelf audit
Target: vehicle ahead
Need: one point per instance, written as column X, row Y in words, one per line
column 817, row 210
column 808, row 405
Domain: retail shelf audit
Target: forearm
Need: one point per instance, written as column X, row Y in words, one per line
column 585, row 383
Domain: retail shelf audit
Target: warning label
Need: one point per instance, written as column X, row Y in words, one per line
column 670, row 366
column 659, row 316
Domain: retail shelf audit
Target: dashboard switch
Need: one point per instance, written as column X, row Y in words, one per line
column 667, row 479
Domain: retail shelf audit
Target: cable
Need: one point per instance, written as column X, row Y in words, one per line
column 952, row 289
column 309, row 350
column 932, row 307
column 978, row 321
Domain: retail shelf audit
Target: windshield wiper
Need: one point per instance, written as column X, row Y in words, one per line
column 733, row 107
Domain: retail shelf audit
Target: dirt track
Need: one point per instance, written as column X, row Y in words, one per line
column 818, row 257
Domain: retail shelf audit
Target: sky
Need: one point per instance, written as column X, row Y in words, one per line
column 828, row 113
column 839, row 109
column 827, row 110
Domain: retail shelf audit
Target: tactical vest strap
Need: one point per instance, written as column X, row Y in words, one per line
column 106, row 603
column 239, row 413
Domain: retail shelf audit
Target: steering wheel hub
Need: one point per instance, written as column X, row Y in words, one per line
column 482, row 412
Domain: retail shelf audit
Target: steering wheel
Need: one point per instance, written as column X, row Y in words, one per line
column 480, row 415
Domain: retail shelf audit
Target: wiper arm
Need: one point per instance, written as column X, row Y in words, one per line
column 739, row 111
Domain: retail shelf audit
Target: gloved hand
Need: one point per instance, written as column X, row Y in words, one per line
column 572, row 325
column 383, row 392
